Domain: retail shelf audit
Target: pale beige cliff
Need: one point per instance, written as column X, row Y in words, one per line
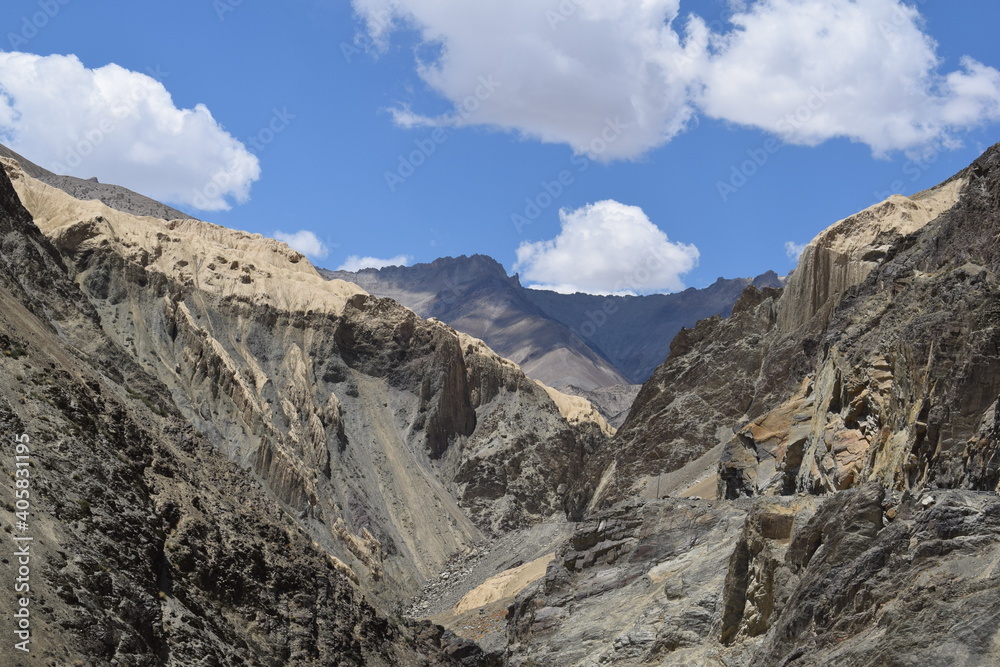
column 844, row 254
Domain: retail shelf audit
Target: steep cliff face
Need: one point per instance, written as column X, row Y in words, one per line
column 392, row 440
column 725, row 379
column 907, row 373
column 149, row 547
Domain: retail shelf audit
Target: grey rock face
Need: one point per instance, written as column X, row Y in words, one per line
column 394, row 442
column 906, row 373
column 150, row 547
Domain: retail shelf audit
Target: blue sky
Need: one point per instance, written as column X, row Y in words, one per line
column 307, row 108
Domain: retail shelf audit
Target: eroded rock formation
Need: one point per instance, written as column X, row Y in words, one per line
column 392, row 440
column 148, row 546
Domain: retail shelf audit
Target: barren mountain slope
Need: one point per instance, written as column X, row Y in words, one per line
column 634, row 332
column 395, row 443
column 149, row 547
column 864, row 400
column 580, row 340
column 475, row 295
column 724, row 373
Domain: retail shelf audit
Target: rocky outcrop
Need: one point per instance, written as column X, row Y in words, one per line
column 636, row 584
column 800, row 384
column 861, row 593
column 856, row 578
column 850, row 250
column 709, row 383
column 907, row 372
column 371, row 426
column 149, row 547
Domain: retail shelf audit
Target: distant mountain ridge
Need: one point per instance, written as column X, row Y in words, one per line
column 564, row 340
column 634, row 332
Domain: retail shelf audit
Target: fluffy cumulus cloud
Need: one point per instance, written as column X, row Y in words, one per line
column 805, row 70
column 606, row 248
column 123, row 127
column 356, row 263
column 810, row 70
column 305, row 242
column 600, row 76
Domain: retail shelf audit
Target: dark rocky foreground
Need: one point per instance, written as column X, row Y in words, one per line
column 784, row 581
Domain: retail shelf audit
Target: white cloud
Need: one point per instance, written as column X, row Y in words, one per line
column 305, row 242
column 356, row 263
column 558, row 76
column 606, row 248
column 123, row 127
column 805, row 70
column 813, row 70
column 794, row 250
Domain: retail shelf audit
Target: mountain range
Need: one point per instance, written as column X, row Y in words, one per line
column 238, row 459
column 599, row 347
